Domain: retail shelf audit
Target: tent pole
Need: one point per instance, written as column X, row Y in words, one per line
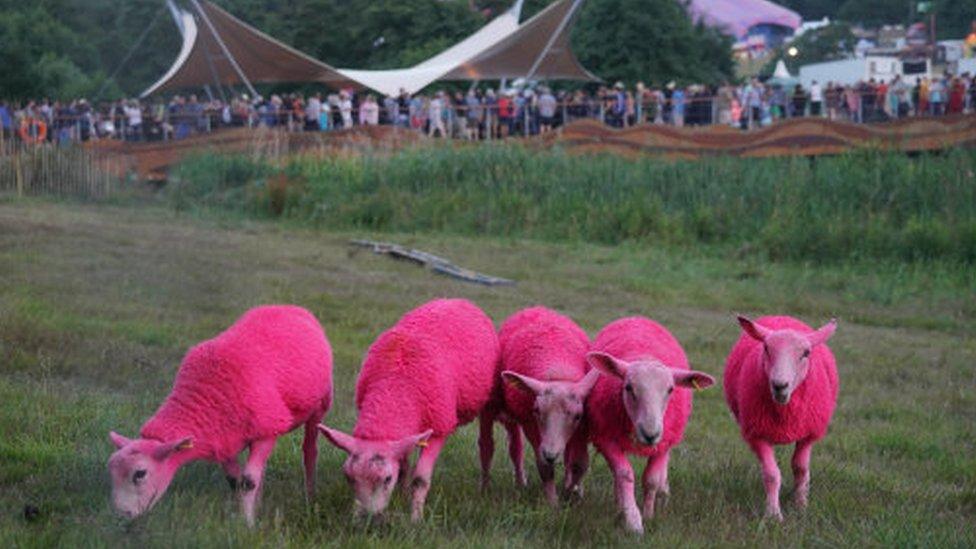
column 223, row 47
column 213, row 73
column 552, row 39
column 175, row 12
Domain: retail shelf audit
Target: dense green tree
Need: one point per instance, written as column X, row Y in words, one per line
column 654, row 42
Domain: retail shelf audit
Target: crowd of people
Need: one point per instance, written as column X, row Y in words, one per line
column 487, row 114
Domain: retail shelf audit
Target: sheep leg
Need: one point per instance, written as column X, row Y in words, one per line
column 310, row 454
column 801, row 472
column 486, row 446
column 771, row 476
column 251, row 481
column 655, row 481
column 577, row 464
column 233, row 471
column 422, row 474
column 405, row 474
column 547, row 471
column 623, row 476
column 516, row 452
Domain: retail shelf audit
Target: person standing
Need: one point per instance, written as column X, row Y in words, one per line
column 678, row 107
column 133, row 117
column 369, row 112
column 313, row 111
column 799, row 101
column 547, row 110
column 816, row 99
column 435, row 115
column 345, row 109
column 474, row 113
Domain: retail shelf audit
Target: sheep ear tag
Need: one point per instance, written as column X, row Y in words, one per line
column 422, row 443
column 694, row 383
column 185, row 444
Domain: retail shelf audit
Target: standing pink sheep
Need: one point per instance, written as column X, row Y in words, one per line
column 544, row 357
column 781, row 385
column 266, row 375
column 634, row 409
column 430, row 373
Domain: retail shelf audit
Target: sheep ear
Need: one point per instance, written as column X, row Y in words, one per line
column 404, row 446
column 585, row 385
column 171, row 448
column 118, row 440
column 822, row 334
column 755, row 331
column 524, row 383
column 690, row 379
column 607, row 364
column 341, row 440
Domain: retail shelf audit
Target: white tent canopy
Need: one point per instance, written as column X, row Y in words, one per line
column 220, row 49
column 418, row 77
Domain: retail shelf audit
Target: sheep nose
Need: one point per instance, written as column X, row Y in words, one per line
column 650, row 438
column 549, row 457
column 780, row 386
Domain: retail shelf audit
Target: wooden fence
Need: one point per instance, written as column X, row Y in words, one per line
column 48, row 169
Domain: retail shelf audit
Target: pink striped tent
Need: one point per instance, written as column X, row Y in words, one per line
column 736, row 17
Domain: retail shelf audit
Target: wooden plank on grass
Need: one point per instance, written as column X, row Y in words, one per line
column 433, row 262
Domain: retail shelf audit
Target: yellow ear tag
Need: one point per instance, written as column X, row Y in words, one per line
column 421, row 444
column 185, row 446
column 694, row 383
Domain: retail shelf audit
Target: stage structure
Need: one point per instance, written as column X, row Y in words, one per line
column 220, row 50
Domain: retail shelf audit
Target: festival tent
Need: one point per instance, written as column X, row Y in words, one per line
column 219, row 48
column 736, row 17
column 782, row 77
column 538, row 49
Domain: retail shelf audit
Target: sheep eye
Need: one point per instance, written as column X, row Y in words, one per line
column 806, row 353
column 670, row 390
column 577, row 417
column 138, row 476
column 629, row 388
column 388, row 479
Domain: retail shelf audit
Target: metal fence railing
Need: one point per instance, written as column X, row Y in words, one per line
column 481, row 121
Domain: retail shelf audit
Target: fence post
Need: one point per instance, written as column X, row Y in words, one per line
column 19, row 175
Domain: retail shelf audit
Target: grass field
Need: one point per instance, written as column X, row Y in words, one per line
column 98, row 304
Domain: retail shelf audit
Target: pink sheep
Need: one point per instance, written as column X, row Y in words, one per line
column 781, row 385
column 430, row 373
column 544, row 357
column 266, row 375
column 634, row 409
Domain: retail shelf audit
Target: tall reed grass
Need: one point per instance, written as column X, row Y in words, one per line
column 69, row 171
column 863, row 205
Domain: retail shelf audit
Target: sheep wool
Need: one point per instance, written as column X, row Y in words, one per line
column 781, row 385
column 267, row 374
column 421, row 379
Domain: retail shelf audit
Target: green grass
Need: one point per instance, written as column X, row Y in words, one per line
column 861, row 206
column 98, row 304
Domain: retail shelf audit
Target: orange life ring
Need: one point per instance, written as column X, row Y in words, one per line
column 39, row 136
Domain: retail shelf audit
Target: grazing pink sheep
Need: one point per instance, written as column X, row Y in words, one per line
column 634, row 408
column 544, row 357
column 266, row 375
column 781, row 385
column 430, row 373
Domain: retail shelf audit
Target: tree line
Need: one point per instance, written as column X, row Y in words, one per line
column 73, row 48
